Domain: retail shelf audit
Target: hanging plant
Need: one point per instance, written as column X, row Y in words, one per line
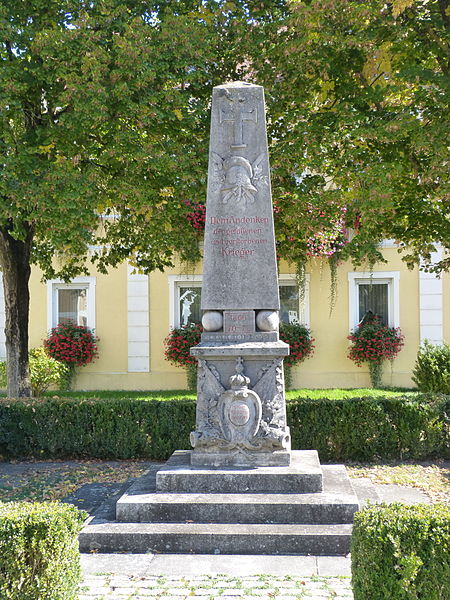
column 196, row 215
column 315, row 232
column 301, row 346
column 373, row 343
column 73, row 345
column 177, row 350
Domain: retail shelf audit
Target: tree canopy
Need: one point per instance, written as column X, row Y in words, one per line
column 104, row 118
column 103, row 143
column 359, row 97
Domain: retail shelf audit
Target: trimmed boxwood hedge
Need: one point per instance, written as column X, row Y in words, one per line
column 401, row 552
column 365, row 429
column 348, row 429
column 39, row 557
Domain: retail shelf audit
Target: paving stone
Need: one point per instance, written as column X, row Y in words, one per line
column 110, row 587
column 332, row 566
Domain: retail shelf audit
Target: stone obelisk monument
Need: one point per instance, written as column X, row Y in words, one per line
column 241, row 413
column 240, row 490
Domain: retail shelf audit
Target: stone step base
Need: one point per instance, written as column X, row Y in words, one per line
column 336, row 504
column 303, row 475
column 217, row 538
column 236, row 508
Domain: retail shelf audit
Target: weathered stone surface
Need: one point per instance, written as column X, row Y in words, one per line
column 257, row 385
column 239, row 322
column 268, row 320
column 217, row 538
column 212, row 320
column 336, row 504
column 241, row 415
column 239, row 234
column 304, row 475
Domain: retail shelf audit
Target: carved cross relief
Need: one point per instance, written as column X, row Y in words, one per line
column 238, row 114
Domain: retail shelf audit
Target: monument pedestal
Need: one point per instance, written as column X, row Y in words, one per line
column 241, row 412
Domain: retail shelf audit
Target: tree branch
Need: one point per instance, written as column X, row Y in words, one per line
column 443, row 8
column 9, row 50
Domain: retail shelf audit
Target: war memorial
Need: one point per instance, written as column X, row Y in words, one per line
column 241, row 489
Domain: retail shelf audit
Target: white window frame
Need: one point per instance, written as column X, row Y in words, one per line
column 175, row 283
column 303, row 305
column 87, row 283
column 392, row 278
column 178, row 281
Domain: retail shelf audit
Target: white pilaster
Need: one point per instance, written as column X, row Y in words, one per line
column 138, row 323
column 431, row 305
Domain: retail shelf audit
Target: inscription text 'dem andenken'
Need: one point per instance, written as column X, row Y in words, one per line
column 241, row 239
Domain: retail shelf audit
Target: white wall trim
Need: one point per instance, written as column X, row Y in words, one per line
column 391, row 277
column 431, row 305
column 2, row 321
column 53, row 284
column 388, row 244
column 138, row 322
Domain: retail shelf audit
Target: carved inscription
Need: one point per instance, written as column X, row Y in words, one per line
column 239, row 413
column 241, row 237
column 239, row 321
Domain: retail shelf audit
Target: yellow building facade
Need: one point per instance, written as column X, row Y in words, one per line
column 133, row 313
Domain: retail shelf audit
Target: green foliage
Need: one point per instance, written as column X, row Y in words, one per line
column 177, row 346
column 95, row 428
column 432, row 369
column 45, row 371
column 104, row 118
column 133, row 427
column 358, row 95
column 105, row 110
column 2, row 374
column 365, row 429
column 191, row 377
column 373, row 342
column 39, row 557
column 401, row 552
column 300, row 340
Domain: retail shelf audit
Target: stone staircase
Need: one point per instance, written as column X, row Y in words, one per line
column 302, row 509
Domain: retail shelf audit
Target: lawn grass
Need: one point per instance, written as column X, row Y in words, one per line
column 138, row 394
column 332, row 394
column 49, row 481
column 46, row 481
column 433, row 479
column 340, row 394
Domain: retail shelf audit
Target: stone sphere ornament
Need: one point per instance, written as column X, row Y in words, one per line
column 212, row 320
column 267, row 320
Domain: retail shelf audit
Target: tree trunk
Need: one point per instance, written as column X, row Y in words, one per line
column 15, row 264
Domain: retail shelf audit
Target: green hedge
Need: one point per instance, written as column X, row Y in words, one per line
column 94, row 428
column 369, row 428
column 39, row 557
column 401, row 553
column 347, row 429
